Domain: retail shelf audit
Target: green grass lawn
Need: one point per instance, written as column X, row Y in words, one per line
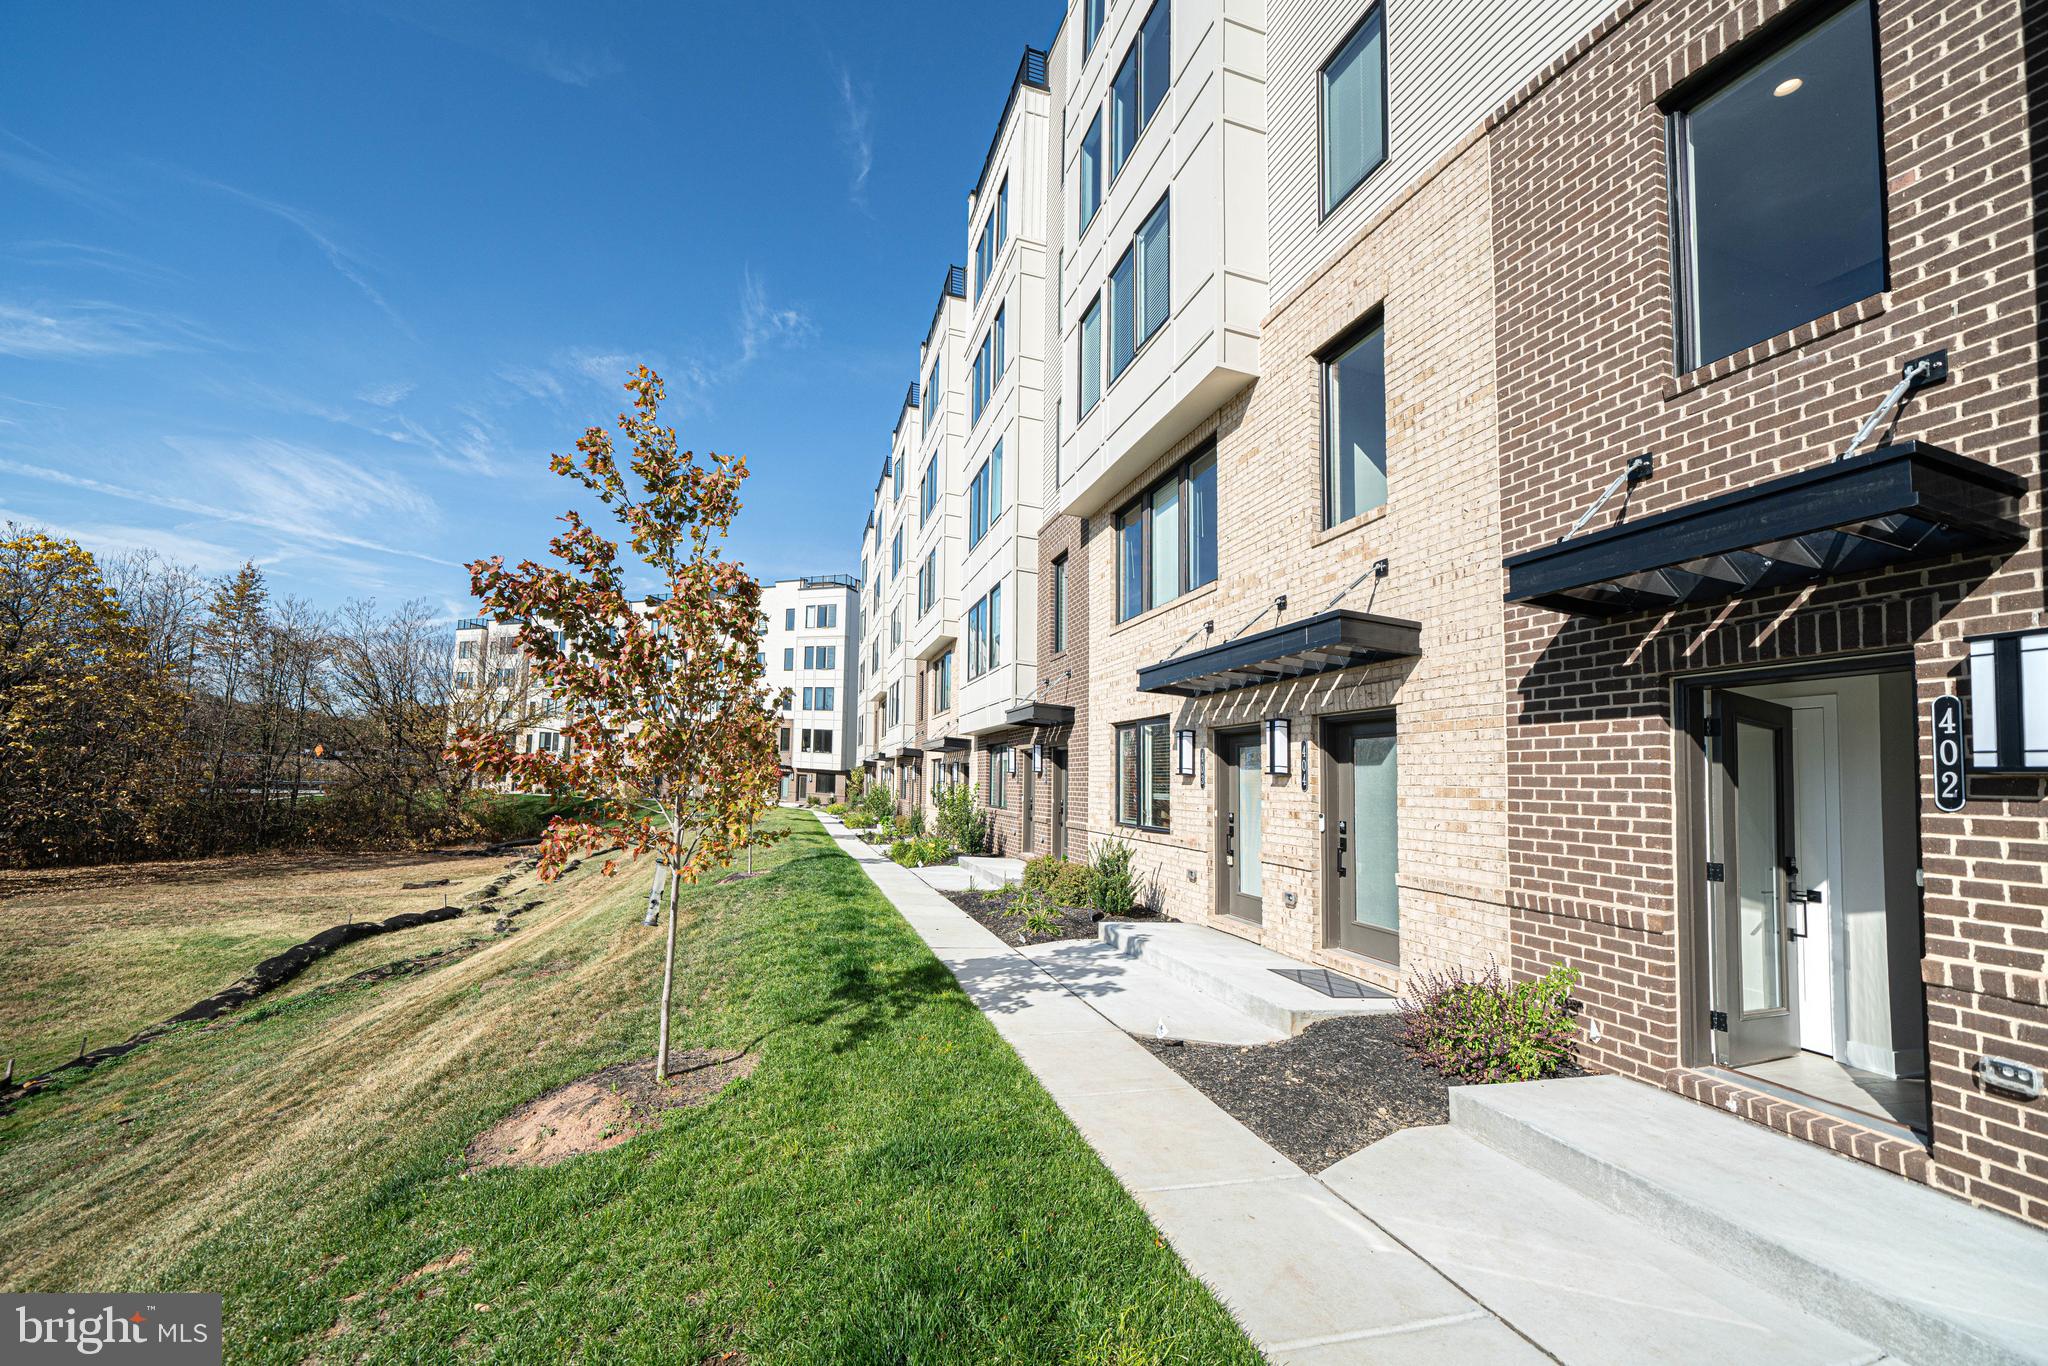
column 889, row 1185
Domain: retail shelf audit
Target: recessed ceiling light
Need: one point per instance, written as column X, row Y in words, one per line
column 1788, row 86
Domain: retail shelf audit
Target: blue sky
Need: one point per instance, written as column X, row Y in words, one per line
column 322, row 285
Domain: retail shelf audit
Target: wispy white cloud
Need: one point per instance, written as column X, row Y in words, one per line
column 57, row 255
column 387, row 395
column 763, row 324
column 570, row 63
column 27, row 162
column 85, row 328
column 494, row 30
column 114, row 538
column 532, row 380
column 308, row 497
column 855, row 132
column 346, row 263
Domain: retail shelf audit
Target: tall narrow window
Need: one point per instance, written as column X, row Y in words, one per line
column 985, row 496
column 928, row 493
column 1123, row 332
column 1091, row 355
column 931, row 392
column 1123, row 112
column 1092, row 14
column 1059, row 604
column 1354, row 109
column 1355, row 425
column 896, row 554
column 1155, row 274
column 1140, row 84
column 998, row 776
column 1166, row 538
column 943, row 686
column 1144, row 768
column 1779, row 183
column 1090, row 171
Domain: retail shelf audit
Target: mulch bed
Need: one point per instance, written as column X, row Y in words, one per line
column 991, row 910
column 1320, row 1096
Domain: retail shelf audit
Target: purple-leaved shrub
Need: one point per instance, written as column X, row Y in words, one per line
column 1480, row 1027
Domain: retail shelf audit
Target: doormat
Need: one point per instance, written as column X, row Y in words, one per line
column 1333, row 984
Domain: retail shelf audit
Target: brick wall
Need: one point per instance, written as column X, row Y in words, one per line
column 1586, row 378
column 1428, row 264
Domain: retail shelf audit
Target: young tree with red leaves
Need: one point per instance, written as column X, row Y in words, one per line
column 669, row 734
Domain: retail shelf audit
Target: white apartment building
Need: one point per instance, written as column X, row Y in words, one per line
column 494, row 685
column 809, row 644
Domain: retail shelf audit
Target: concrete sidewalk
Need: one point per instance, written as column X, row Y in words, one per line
column 1424, row 1250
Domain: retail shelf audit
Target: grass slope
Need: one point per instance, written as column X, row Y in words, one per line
column 891, row 1185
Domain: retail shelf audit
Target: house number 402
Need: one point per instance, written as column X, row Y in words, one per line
column 1951, row 787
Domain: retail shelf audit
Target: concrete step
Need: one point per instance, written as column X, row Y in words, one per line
column 1140, row 999
column 992, row 874
column 1580, row 1281
column 1921, row 1275
column 1236, row 972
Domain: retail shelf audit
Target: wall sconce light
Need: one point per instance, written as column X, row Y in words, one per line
column 2009, row 702
column 1184, row 753
column 1038, row 761
column 1276, row 744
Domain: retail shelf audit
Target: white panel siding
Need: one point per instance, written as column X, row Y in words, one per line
column 1448, row 65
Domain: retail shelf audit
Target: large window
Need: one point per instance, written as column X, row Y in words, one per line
column 1059, row 604
column 928, row 493
column 931, row 393
column 821, row 615
column 1166, row 538
column 1144, row 775
column 1140, row 84
column 989, row 362
column 1140, row 291
column 1091, row 355
column 942, row 683
column 1090, row 171
column 1354, row 109
column 819, row 699
column 985, row 497
column 995, row 230
column 896, row 554
column 985, row 633
column 928, row 581
column 1354, row 425
column 821, row 657
column 999, row 776
column 1778, row 184
column 1093, row 12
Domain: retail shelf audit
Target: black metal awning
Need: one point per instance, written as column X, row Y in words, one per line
column 948, row 744
column 906, row 752
column 1039, row 714
column 1895, row 505
column 1337, row 639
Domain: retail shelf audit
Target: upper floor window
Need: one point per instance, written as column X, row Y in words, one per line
column 1140, row 84
column 928, row 582
column 1059, row 604
column 789, row 656
column 1354, row 109
column 1778, row 183
column 928, row 493
column 985, row 633
column 1140, row 290
column 1166, row 538
column 1089, row 172
column 789, row 618
column 821, row 656
column 985, row 496
column 896, row 554
column 1091, row 355
column 999, row 776
column 821, row 615
column 988, row 368
column 1354, row 424
column 995, row 231
column 895, row 626
column 931, row 393
column 942, row 683
column 1093, row 12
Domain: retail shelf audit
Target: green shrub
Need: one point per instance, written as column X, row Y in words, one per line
column 961, row 819
column 1112, row 889
column 1036, row 911
column 877, row 804
column 915, row 822
column 1063, row 880
column 920, row 851
column 836, row 809
column 1479, row 1027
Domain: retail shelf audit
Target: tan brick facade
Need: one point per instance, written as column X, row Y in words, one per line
column 1599, row 865
column 1427, row 264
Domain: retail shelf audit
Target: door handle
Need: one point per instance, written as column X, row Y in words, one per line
column 1343, row 844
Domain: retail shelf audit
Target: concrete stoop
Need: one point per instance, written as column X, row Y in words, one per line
column 1140, row 999
column 1235, row 973
column 1594, row 1161
column 991, row 874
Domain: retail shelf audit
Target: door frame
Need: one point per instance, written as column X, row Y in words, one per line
column 1223, row 743
column 1688, row 727
column 1327, row 729
column 1056, row 840
column 1027, row 840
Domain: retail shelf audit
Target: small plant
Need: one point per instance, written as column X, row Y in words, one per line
column 1036, row 911
column 1480, row 1027
column 836, row 809
column 1112, row 889
column 920, row 851
column 1065, row 881
column 876, row 804
column 960, row 819
column 915, row 822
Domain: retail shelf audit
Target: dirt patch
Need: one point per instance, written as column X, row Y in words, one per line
column 991, row 910
column 459, row 1258
column 604, row 1109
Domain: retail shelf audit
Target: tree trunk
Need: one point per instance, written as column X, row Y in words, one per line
column 668, row 982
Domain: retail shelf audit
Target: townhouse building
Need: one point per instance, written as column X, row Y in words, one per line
column 1442, row 540
column 493, row 686
column 810, row 631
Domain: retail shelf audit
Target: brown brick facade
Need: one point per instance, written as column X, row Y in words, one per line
column 1599, row 862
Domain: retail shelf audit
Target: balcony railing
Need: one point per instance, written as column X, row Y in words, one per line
column 831, row 581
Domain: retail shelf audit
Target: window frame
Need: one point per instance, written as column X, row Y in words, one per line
column 985, row 496
column 1331, row 206
column 1141, row 265
column 1326, row 358
column 1141, row 504
column 1090, row 204
column 1082, row 368
column 1134, row 57
column 998, row 776
column 1059, row 603
column 1135, row 729
column 928, row 493
column 1753, row 51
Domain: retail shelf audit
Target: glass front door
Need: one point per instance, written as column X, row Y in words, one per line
column 1749, row 879
column 1364, row 833
column 1243, row 871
